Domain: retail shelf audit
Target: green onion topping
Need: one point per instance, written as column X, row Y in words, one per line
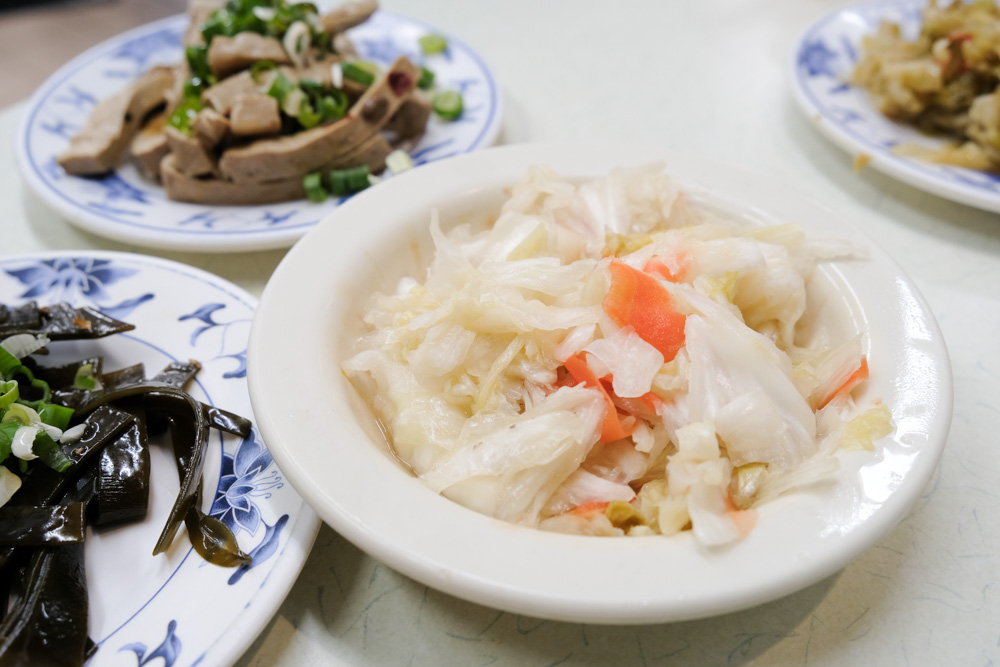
column 357, row 73
column 313, row 184
column 345, row 182
column 426, row 80
column 431, row 44
column 448, row 105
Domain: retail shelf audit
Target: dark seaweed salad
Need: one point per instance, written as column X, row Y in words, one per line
column 74, row 451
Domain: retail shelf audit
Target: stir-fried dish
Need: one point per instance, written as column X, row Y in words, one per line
column 270, row 104
column 75, row 452
column 607, row 358
column 945, row 81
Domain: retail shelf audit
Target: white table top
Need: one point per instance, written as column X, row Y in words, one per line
column 708, row 78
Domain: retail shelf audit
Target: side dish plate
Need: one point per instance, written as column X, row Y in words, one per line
column 127, row 207
column 821, row 66
column 176, row 605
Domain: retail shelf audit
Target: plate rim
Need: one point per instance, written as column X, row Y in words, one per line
column 473, row 585
column 227, row 646
column 910, row 171
column 185, row 240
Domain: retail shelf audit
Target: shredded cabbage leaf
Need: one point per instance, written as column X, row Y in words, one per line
column 525, row 377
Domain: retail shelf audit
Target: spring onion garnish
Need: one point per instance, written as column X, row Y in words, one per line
column 51, row 454
column 8, row 362
column 336, row 76
column 431, row 44
column 313, row 184
column 187, row 110
column 273, row 19
column 197, row 60
column 280, row 88
column 8, row 393
column 448, row 105
column 296, row 41
column 357, row 73
column 55, row 415
column 260, row 66
column 426, row 80
column 344, row 182
column 398, row 161
column 85, row 378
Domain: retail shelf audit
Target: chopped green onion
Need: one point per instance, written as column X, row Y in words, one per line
column 50, row 453
column 184, row 114
column 431, row 44
column 448, row 105
column 344, row 182
column 84, row 378
column 308, row 117
column 259, row 67
column 426, row 81
column 8, row 393
column 332, row 106
column 197, row 59
column 355, row 72
column 19, row 414
column 8, row 362
column 55, row 415
column 280, row 88
column 398, row 161
column 313, row 184
column 7, row 432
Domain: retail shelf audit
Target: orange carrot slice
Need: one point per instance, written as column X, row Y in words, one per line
column 638, row 300
column 856, row 378
column 612, row 428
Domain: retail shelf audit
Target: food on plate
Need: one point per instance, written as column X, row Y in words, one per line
column 270, row 95
column 74, row 451
column 944, row 81
column 608, row 358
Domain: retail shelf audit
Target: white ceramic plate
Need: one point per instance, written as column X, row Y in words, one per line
column 822, row 62
column 176, row 605
column 127, row 207
column 323, row 437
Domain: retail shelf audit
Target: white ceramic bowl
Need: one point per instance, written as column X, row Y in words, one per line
column 325, row 441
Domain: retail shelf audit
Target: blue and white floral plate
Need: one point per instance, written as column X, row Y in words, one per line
column 127, row 207
column 176, row 606
column 822, row 62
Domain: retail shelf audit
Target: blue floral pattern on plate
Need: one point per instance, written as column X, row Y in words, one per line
column 179, row 313
column 821, row 69
column 125, row 206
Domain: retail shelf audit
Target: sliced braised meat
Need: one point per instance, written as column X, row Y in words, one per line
column 190, row 155
column 210, row 128
column 228, row 55
column 371, row 153
column 224, row 94
column 99, row 146
column 150, row 146
column 255, row 114
column 297, row 154
column 216, row 192
column 348, row 15
column 411, row 119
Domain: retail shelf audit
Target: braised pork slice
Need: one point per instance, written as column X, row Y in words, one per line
column 224, row 94
column 216, row 192
column 191, row 157
column 411, row 119
column 348, row 15
column 99, row 146
column 228, row 55
column 298, row 154
column 255, row 114
column 210, row 127
column 149, row 146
